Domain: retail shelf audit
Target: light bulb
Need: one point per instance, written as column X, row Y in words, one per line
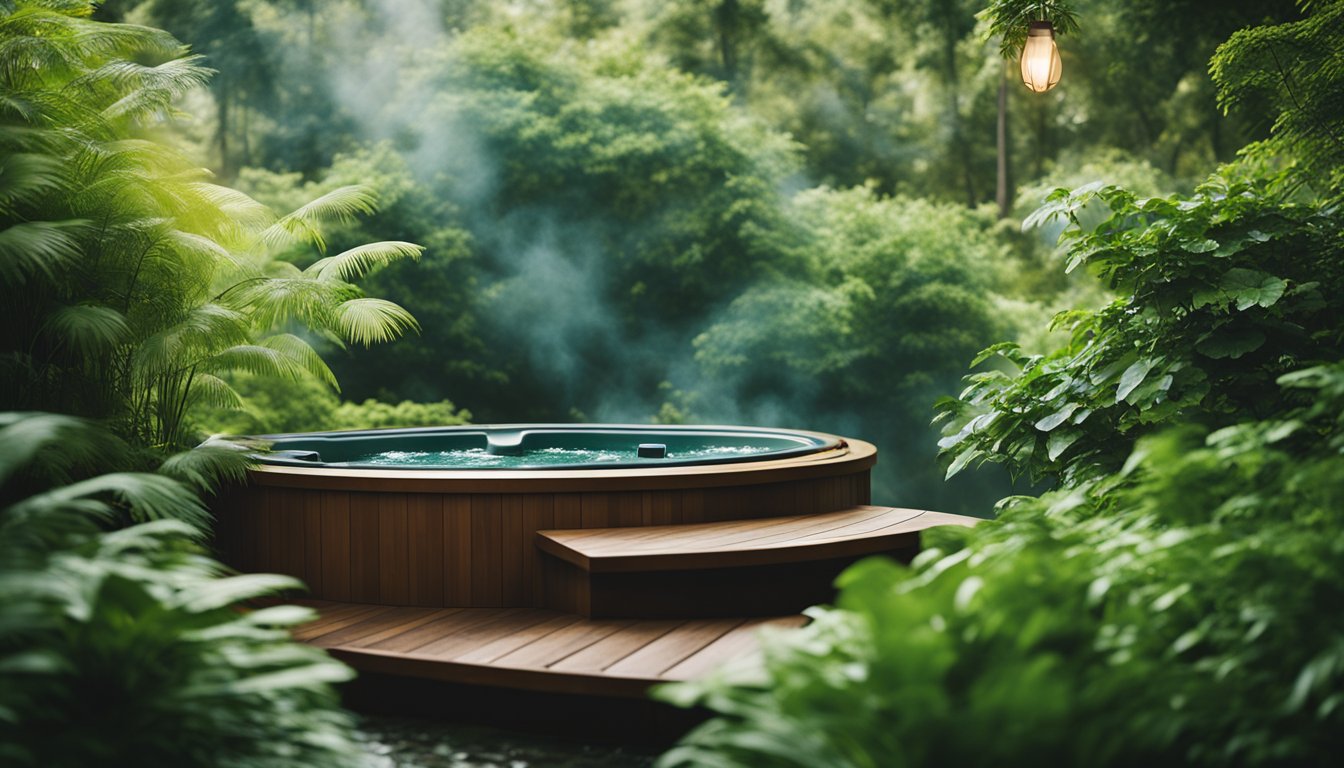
column 1041, row 66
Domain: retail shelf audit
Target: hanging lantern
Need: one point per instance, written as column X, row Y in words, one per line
column 1041, row 67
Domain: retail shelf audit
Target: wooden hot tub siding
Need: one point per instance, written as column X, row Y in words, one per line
column 393, row 539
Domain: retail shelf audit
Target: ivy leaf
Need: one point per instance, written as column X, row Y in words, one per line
column 1251, row 287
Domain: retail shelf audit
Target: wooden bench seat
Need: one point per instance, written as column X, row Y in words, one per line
column 764, row 566
column 850, row 532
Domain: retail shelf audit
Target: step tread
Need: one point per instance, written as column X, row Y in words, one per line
column 535, row 649
column 773, row 540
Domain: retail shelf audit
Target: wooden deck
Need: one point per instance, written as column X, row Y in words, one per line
column 531, row 649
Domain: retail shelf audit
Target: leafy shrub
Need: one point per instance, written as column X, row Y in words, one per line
column 125, row 647
column 1179, row 611
column 130, row 282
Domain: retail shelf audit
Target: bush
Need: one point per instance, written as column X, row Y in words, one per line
column 126, row 647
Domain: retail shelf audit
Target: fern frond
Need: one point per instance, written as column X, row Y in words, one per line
column 151, row 89
column 359, row 260
column 366, row 321
column 303, row 225
column 144, row 496
column 38, row 247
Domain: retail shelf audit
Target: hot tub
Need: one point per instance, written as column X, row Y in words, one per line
column 447, row 517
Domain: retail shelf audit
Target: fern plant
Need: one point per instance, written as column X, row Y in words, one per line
column 124, row 647
column 131, row 283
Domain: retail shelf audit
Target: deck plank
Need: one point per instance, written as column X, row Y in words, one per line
column 671, row 649
column 530, row 649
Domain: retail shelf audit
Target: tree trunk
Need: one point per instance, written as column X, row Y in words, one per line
column 222, row 133
column 1003, row 191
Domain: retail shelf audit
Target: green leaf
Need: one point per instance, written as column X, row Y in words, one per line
column 1059, row 442
column 1133, row 377
column 1058, row 417
column 1251, row 287
column 1230, row 343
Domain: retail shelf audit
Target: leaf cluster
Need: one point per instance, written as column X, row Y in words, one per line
column 1176, row 612
column 1222, row 292
column 121, row 647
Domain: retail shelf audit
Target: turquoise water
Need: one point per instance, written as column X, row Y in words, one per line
column 476, row 458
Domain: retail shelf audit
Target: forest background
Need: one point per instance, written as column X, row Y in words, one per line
column 811, row 214
column 773, row 213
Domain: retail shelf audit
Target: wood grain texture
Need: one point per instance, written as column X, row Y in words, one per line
column 847, row 533
column 446, row 548
column 531, row 649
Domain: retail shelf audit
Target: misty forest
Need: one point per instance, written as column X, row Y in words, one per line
column 1105, row 318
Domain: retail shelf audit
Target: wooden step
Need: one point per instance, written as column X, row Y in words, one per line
column 530, row 649
column 739, row 567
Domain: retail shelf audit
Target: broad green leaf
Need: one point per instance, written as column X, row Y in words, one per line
column 1250, row 287
column 1133, row 377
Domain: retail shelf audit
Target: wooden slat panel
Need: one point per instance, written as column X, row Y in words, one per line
column 312, row 541
column 692, row 507
column 538, row 514
column 568, row 510
column 457, row 567
column 627, row 509
column 596, row 511
column 658, row 508
column 364, row 550
column 615, row 647
column 561, row 643
column 672, row 648
column 425, row 562
column 514, row 549
column 335, row 506
column 487, row 540
column 741, row 641
column 394, row 574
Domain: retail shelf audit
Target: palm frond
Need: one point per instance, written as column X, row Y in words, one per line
column 87, row 330
column 257, row 360
column 274, row 301
column 51, row 445
column 302, row 353
column 25, row 177
column 212, row 391
column 151, row 89
column 38, row 247
column 304, row 225
column 209, row 465
column 366, row 321
column 202, row 331
column 221, row 593
column 144, row 496
column 357, row 261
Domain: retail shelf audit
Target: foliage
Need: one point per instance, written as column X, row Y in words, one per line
column 1222, row 293
column 126, row 647
column 132, row 282
column 1007, row 20
column 1176, row 612
column 1299, row 69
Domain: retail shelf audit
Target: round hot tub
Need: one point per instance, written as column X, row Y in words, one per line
column 448, row 516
